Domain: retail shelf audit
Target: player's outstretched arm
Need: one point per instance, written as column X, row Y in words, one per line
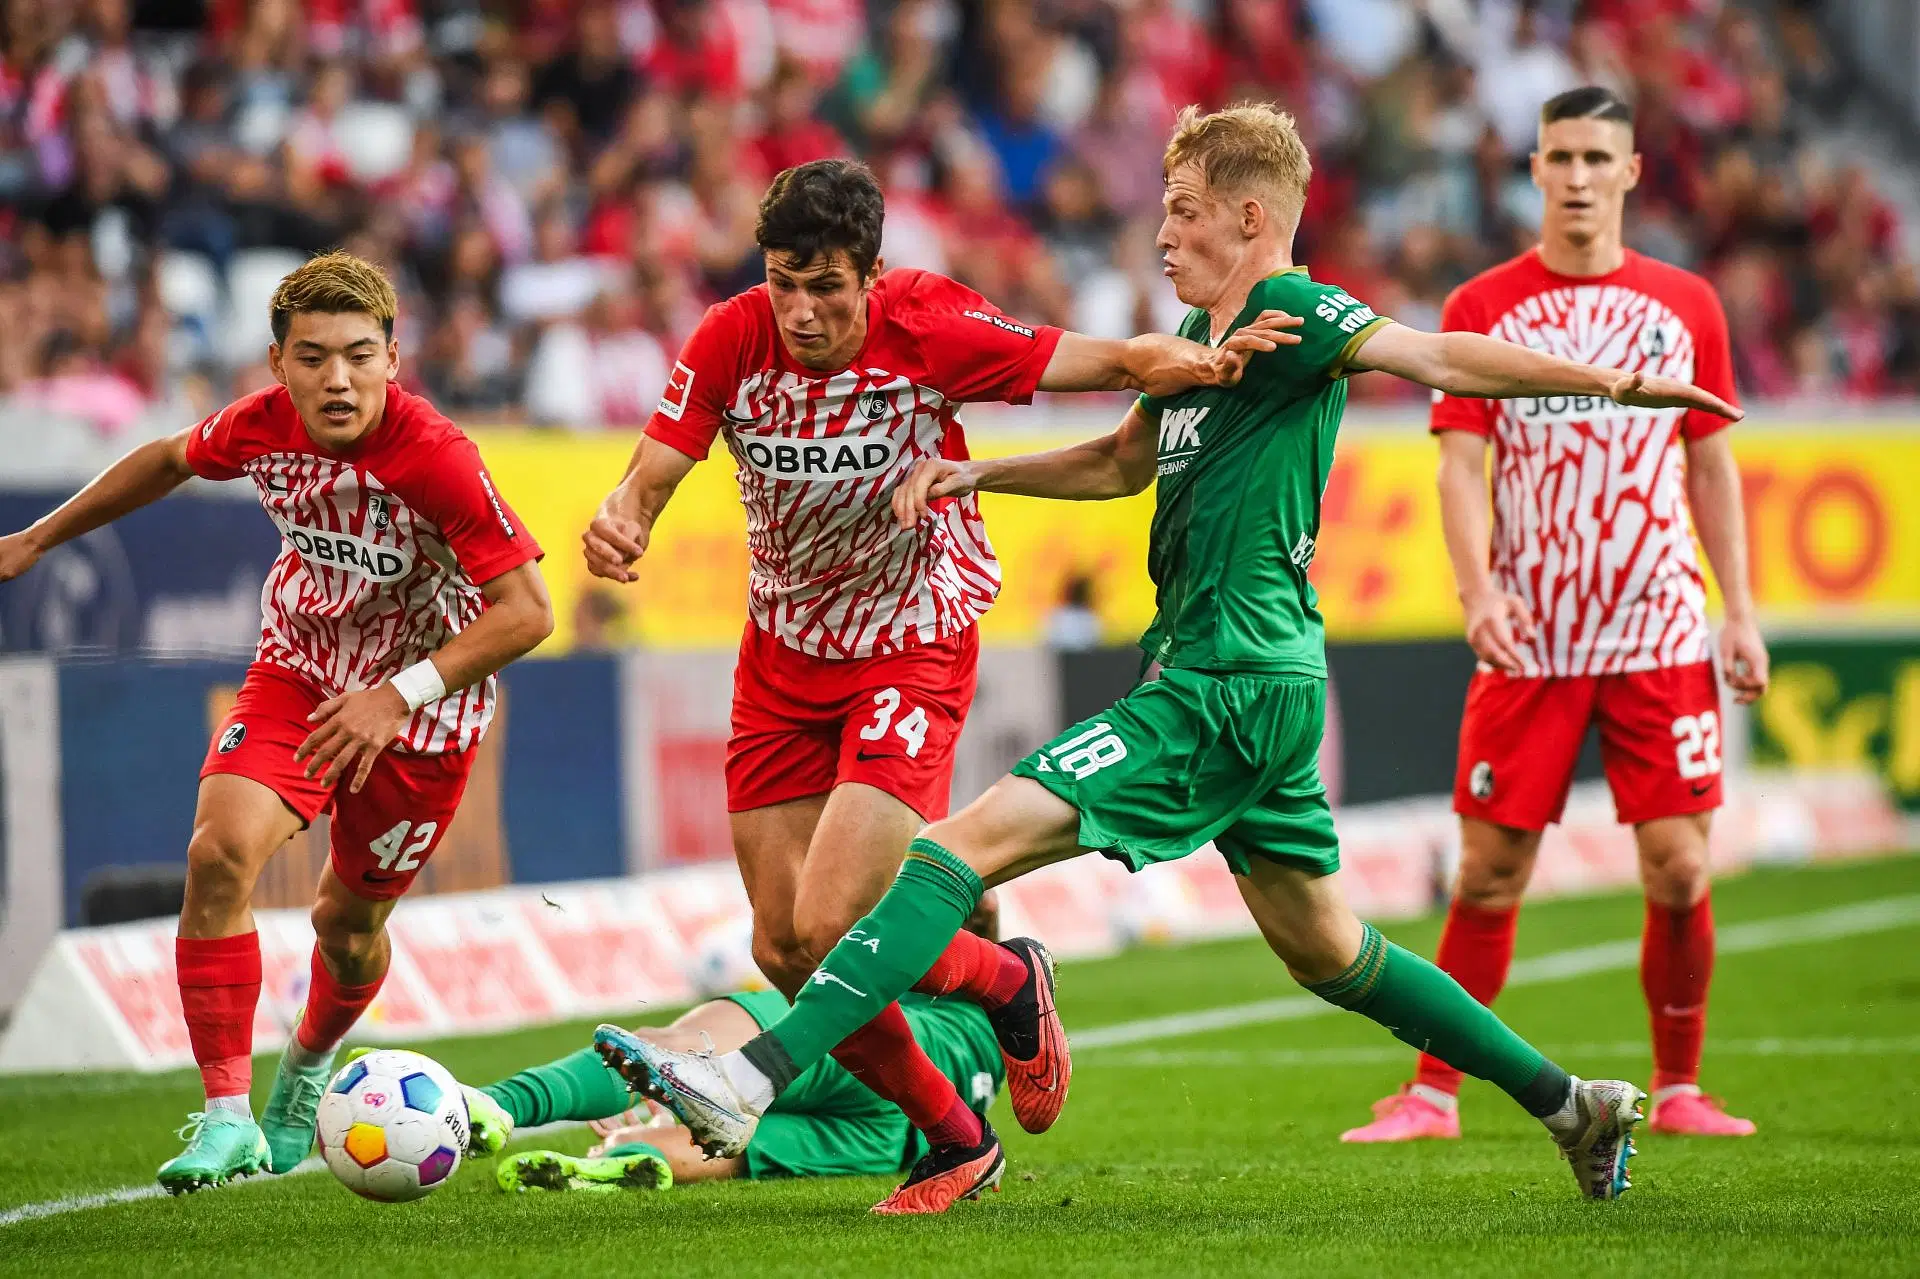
column 1713, row 494
column 1472, row 364
column 1160, row 363
column 623, row 526
column 1116, row 465
column 1495, row 619
column 143, row 476
column 351, row 730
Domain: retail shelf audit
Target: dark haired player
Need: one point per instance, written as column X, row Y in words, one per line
column 403, row 583
column 1586, row 605
column 828, row 384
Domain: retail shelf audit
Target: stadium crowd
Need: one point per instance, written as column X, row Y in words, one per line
column 560, row 186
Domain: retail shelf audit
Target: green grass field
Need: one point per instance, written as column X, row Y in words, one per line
column 1209, row 1153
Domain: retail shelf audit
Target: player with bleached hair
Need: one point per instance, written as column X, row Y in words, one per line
column 1223, row 746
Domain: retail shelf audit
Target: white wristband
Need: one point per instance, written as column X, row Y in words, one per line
column 420, row 684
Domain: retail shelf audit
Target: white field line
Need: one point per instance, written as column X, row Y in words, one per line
column 1829, row 1047
column 1766, row 934
column 152, row 1190
column 1612, row 956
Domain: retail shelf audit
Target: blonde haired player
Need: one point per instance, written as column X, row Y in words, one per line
column 403, row 583
column 1222, row 747
column 1585, row 603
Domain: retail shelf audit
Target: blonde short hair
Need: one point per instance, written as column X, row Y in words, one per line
column 1253, row 148
column 331, row 284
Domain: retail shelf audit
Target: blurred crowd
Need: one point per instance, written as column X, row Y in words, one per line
column 560, row 186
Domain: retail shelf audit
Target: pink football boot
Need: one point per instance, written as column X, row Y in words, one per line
column 1408, row 1115
column 1687, row 1111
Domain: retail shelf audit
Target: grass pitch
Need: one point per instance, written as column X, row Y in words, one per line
column 1207, row 1153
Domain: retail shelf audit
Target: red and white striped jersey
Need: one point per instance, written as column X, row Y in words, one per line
column 1590, row 519
column 383, row 548
column 818, row 456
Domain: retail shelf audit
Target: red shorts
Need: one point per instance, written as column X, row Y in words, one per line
column 804, row 724
column 382, row 835
column 1520, row 738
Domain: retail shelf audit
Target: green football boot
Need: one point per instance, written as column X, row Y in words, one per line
column 630, row 1167
column 293, row 1111
column 220, row 1146
column 489, row 1126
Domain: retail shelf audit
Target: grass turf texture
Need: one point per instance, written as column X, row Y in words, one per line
column 1212, row 1153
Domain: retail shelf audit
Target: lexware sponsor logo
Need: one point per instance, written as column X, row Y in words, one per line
column 846, row 457
column 499, row 511
column 1001, row 322
column 353, row 554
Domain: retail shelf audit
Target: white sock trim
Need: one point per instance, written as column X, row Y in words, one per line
column 238, row 1104
column 754, row 1089
column 1435, row 1097
column 303, row 1058
column 1565, row 1122
column 1676, row 1090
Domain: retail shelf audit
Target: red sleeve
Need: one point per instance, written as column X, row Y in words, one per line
column 217, row 449
column 1712, row 364
column 1461, row 313
column 486, row 536
column 689, row 413
column 973, row 351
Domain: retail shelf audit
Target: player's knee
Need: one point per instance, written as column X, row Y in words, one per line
column 1675, row 874
column 1495, row 878
column 219, row 864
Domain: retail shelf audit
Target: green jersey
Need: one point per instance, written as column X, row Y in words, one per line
column 1240, row 477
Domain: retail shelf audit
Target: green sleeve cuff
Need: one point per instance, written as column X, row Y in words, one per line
column 1338, row 369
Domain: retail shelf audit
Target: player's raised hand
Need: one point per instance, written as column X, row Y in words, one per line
column 18, row 553
column 1269, row 330
column 1497, row 624
column 1638, row 391
column 1743, row 661
column 613, row 543
column 930, row 478
column 350, row 731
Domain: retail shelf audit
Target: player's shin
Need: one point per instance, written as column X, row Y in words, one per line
column 219, row 989
column 575, row 1087
column 1676, row 966
column 333, row 1006
column 874, row 964
column 1427, row 1009
column 1476, row 950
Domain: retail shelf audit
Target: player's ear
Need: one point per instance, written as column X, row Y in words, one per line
column 1253, row 217
column 873, row 272
column 1533, row 167
column 393, row 359
column 275, row 361
column 1633, row 171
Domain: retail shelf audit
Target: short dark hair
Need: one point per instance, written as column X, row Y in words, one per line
column 1592, row 102
column 813, row 209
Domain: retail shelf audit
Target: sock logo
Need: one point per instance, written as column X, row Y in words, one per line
column 1480, row 781
column 821, row 977
column 871, row 943
column 231, row 737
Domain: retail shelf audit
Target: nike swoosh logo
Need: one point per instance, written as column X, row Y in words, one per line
column 864, row 757
column 375, row 877
column 1698, row 791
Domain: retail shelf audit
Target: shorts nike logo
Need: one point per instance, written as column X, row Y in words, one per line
column 1698, row 791
column 865, row 758
column 375, row 877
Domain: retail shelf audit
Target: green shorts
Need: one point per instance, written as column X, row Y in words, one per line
column 1192, row 757
column 826, row 1123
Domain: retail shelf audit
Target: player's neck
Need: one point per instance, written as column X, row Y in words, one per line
column 1601, row 255
column 1226, row 308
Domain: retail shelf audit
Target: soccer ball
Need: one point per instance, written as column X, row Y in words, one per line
column 393, row 1125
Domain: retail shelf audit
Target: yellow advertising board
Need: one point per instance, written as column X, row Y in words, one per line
column 1833, row 515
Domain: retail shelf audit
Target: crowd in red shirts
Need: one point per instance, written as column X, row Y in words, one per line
column 560, row 186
